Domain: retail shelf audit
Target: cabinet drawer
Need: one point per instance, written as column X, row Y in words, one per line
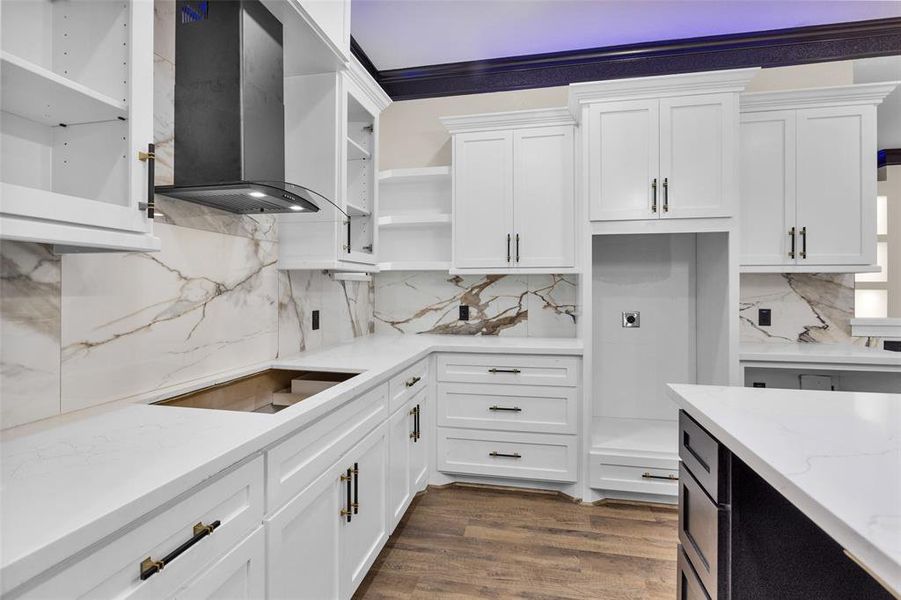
column 235, row 500
column 296, row 462
column 542, row 409
column 703, row 533
column 239, row 575
column 408, row 382
column 689, row 587
column 526, row 369
column 543, row 457
column 705, row 458
column 634, row 478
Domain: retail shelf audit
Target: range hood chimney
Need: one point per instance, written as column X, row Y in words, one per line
column 229, row 110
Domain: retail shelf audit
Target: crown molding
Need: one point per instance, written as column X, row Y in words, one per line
column 706, row 82
column 888, row 156
column 541, row 117
column 774, row 48
column 845, row 95
column 357, row 73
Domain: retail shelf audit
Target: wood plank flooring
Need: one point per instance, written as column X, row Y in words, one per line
column 466, row 542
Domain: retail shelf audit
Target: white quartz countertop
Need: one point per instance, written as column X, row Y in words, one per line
column 833, row 354
column 68, row 482
column 834, row 455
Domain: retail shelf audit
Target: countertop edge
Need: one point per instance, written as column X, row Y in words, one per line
column 24, row 568
column 871, row 558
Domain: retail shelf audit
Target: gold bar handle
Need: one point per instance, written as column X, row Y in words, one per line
column 804, row 242
column 664, row 477
column 505, row 455
column 654, row 196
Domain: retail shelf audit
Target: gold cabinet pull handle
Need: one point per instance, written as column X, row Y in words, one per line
column 505, row 455
column 791, row 234
column 412, row 381
column 804, row 242
column 654, row 196
column 665, row 194
column 151, row 567
column 665, row 477
column 505, row 408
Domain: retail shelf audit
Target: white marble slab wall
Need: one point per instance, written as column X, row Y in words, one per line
column 345, row 310
column 807, row 307
column 515, row 305
column 29, row 333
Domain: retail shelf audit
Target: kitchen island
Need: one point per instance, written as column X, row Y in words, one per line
column 789, row 494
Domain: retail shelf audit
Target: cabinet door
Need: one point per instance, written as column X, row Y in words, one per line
column 837, row 185
column 767, row 187
column 400, row 441
column 419, row 456
column 698, row 148
column 302, row 541
column 363, row 537
column 543, row 200
column 239, row 575
column 483, row 199
column 623, row 153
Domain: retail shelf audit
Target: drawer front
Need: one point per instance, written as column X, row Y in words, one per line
column 542, row 457
column 703, row 529
column 408, row 382
column 525, row 369
column 542, row 409
column 114, row 570
column 631, row 478
column 239, row 575
column 703, row 456
column 296, row 462
column 689, row 586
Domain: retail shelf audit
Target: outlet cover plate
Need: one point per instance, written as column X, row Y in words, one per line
column 632, row 319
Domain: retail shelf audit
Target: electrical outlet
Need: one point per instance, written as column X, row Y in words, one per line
column 632, row 319
column 758, row 384
column 315, row 320
column 764, row 317
column 464, row 312
column 892, row 345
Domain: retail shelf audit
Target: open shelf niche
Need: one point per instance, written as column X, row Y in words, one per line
column 415, row 219
column 684, row 286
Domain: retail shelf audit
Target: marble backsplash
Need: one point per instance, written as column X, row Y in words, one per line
column 807, row 307
column 516, row 305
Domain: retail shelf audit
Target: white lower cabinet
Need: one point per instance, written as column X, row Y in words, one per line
column 232, row 504
column 322, row 543
column 407, row 456
column 239, row 575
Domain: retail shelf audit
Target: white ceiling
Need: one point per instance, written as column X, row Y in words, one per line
column 409, row 33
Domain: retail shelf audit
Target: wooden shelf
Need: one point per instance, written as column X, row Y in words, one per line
column 355, row 151
column 414, row 219
column 425, row 265
column 417, row 175
column 40, row 95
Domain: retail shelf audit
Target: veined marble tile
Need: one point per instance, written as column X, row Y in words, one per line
column 552, row 305
column 164, row 29
column 163, row 120
column 806, row 307
column 345, row 311
column 138, row 322
column 195, row 216
column 428, row 302
column 29, row 333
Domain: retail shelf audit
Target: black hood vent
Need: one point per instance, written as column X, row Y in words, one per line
column 229, row 110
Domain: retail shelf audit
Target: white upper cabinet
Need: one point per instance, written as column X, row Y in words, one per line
column 513, row 191
column 483, row 199
column 808, row 179
column 661, row 147
column 543, row 189
column 77, row 112
column 698, row 147
column 622, row 160
column 331, row 146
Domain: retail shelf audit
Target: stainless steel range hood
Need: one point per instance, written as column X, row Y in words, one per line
column 229, row 110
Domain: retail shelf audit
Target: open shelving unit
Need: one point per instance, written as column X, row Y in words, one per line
column 415, row 219
column 75, row 109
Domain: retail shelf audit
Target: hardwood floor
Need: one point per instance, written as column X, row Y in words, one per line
column 465, row 542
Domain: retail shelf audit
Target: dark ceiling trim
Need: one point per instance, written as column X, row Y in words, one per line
column 889, row 156
column 361, row 56
column 776, row 48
